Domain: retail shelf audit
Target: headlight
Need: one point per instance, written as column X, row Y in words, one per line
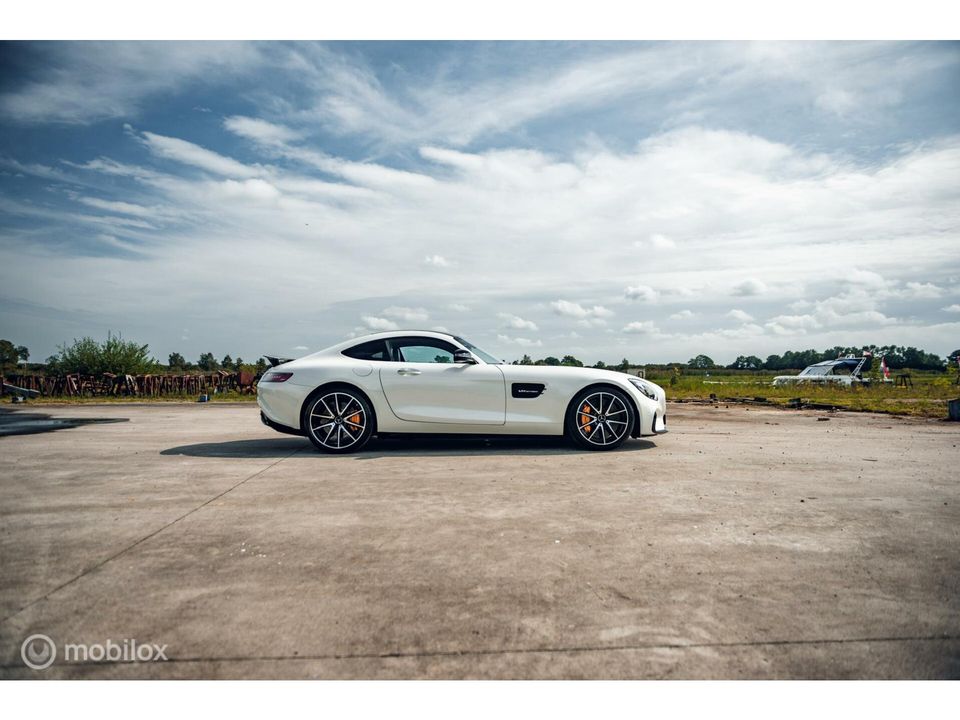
column 643, row 386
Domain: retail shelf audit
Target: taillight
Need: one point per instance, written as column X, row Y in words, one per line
column 276, row 377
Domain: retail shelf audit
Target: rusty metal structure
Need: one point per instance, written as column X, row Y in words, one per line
column 110, row 385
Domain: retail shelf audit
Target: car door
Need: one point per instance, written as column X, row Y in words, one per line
column 424, row 385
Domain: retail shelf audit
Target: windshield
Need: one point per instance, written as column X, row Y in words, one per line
column 485, row 356
column 817, row 370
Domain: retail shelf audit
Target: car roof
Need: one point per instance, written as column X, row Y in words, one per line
column 400, row 333
column 384, row 335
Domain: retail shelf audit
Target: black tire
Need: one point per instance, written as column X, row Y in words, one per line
column 338, row 420
column 599, row 419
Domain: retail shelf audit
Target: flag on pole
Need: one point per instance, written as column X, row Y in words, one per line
column 884, row 369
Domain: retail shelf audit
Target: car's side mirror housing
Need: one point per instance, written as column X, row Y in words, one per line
column 464, row 356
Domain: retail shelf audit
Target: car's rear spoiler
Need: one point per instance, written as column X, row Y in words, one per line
column 274, row 361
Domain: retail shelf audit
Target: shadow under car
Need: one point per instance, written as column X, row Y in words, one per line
column 401, row 446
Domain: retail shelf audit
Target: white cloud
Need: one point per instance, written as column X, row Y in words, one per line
column 955, row 308
column 787, row 324
column 301, row 347
column 379, row 323
column 656, row 241
column 641, row 292
column 740, row 315
column 575, row 310
column 189, row 154
column 749, row 287
column 868, row 278
column 354, row 101
column 87, row 81
column 338, row 245
column 917, row 290
column 108, row 166
column 645, row 327
column 436, row 261
column 253, row 189
column 411, row 315
column 845, row 102
column 666, row 82
column 116, row 206
column 683, row 315
column 260, row 131
column 747, row 330
column 114, row 241
column 517, row 323
column 521, row 341
column 35, row 169
column 840, row 311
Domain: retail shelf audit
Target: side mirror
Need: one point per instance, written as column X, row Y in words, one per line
column 464, row 356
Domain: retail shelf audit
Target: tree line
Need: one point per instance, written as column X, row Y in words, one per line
column 897, row 358
column 87, row 356
column 571, row 361
column 209, row 363
column 116, row 355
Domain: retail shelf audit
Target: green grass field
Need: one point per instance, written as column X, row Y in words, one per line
column 927, row 398
column 109, row 399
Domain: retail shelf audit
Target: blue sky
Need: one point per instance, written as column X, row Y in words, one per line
column 647, row 200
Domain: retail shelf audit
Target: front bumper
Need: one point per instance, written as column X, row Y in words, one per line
column 652, row 417
column 659, row 423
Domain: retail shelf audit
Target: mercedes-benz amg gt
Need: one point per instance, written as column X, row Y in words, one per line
column 432, row 382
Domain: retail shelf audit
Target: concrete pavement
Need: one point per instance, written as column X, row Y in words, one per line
column 746, row 543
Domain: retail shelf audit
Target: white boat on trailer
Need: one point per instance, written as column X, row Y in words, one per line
column 847, row 370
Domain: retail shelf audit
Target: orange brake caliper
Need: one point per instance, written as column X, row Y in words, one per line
column 355, row 419
column 585, row 419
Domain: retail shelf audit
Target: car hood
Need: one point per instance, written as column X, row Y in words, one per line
column 545, row 372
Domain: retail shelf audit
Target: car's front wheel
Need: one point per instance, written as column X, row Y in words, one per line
column 338, row 421
column 599, row 419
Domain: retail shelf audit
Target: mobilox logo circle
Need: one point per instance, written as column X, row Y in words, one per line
column 38, row 652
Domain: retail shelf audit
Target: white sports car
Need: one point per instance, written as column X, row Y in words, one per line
column 432, row 382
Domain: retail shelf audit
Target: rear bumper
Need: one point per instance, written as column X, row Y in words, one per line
column 280, row 403
column 277, row 426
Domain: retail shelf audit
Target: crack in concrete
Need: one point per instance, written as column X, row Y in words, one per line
column 142, row 540
column 518, row 651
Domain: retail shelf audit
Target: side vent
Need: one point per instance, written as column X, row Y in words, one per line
column 526, row 390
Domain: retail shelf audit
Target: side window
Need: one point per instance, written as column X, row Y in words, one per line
column 423, row 350
column 373, row 350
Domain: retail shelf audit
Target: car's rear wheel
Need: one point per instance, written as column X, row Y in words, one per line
column 339, row 420
column 599, row 419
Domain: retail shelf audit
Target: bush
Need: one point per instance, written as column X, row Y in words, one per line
column 113, row 355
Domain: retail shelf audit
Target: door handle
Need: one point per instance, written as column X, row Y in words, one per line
column 407, row 371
